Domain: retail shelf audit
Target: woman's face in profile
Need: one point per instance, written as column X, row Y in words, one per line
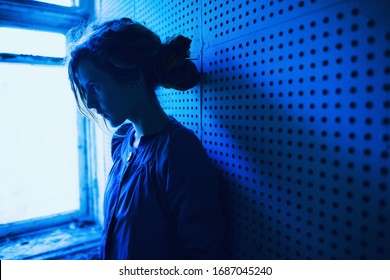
column 115, row 101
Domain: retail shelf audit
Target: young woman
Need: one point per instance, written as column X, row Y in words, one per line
column 162, row 197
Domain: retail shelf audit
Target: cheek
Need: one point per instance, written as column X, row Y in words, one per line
column 118, row 99
column 119, row 106
column 126, row 98
column 110, row 98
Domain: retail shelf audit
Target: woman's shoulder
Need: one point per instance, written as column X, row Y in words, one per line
column 179, row 134
column 180, row 142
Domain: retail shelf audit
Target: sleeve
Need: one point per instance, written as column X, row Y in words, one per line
column 193, row 192
column 118, row 137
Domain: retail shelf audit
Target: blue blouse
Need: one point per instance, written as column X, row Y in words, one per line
column 162, row 199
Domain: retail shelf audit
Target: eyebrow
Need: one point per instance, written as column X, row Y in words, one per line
column 91, row 82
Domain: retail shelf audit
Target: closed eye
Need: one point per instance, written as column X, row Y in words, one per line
column 93, row 87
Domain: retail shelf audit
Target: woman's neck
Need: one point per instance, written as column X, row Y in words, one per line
column 150, row 120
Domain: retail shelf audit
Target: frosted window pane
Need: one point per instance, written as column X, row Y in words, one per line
column 66, row 3
column 22, row 41
column 38, row 143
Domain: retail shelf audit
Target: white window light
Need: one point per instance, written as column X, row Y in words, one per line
column 32, row 42
column 48, row 163
column 66, row 3
column 39, row 173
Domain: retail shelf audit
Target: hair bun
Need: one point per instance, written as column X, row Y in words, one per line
column 175, row 69
column 181, row 46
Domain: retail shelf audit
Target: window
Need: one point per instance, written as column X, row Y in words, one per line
column 48, row 171
column 39, row 164
column 32, row 42
column 67, row 3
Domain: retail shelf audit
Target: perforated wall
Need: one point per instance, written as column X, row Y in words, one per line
column 294, row 110
column 112, row 9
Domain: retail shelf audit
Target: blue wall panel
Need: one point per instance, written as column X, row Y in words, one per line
column 294, row 109
column 114, row 9
column 226, row 20
column 296, row 116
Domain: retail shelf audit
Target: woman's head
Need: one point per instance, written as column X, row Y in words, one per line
column 130, row 54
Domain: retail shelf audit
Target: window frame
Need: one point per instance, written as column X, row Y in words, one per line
column 44, row 16
column 88, row 177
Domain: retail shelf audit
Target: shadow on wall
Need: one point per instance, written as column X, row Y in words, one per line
column 296, row 118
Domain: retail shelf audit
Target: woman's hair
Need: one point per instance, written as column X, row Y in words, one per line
column 124, row 49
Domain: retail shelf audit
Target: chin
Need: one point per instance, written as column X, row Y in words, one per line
column 115, row 123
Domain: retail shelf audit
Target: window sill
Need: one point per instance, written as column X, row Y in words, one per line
column 76, row 240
